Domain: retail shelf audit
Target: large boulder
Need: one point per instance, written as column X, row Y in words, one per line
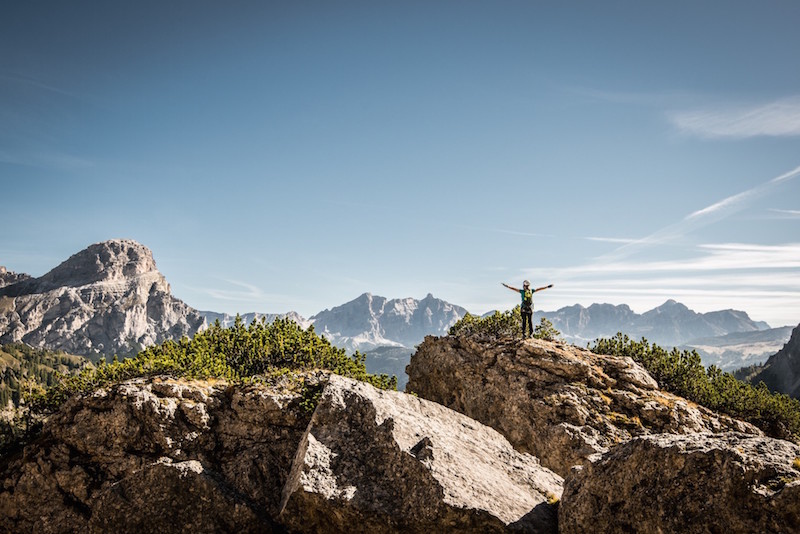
column 171, row 455
column 560, row 403
column 732, row 483
column 382, row 461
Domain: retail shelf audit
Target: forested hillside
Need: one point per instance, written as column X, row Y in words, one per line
column 21, row 366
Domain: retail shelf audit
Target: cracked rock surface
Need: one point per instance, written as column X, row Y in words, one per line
column 172, row 455
column 383, row 461
column 560, row 403
column 732, row 483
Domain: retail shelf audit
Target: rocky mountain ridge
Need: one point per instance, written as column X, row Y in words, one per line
column 671, row 324
column 740, row 349
column 100, row 302
column 227, row 320
column 108, row 298
column 371, row 321
column 8, row 278
column 782, row 371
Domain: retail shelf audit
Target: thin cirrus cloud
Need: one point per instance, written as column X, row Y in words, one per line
column 780, row 118
column 711, row 257
column 620, row 240
column 786, row 214
column 246, row 293
column 712, row 213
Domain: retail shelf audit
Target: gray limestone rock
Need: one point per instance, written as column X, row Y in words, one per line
column 382, row 461
column 106, row 299
column 731, row 483
column 167, row 455
column 560, row 403
column 156, row 454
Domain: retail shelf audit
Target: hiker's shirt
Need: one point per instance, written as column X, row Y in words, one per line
column 527, row 299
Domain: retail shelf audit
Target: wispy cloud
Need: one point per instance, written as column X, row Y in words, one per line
column 762, row 279
column 786, row 214
column 702, row 217
column 245, row 293
column 623, row 240
column 711, row 257
column 29, row 82
column 776, row 119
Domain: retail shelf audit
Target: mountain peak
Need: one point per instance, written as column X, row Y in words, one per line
column 107, row 298
column 108, row 260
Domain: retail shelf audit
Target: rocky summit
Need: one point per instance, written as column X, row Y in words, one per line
column 560, row 403
column 166, row 455
column 109, row 298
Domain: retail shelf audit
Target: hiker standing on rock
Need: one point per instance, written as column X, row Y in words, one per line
column 527, row 305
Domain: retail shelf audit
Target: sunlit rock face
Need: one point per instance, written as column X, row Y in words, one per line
column 561, row 403
column 106, row 299
column 729, row 482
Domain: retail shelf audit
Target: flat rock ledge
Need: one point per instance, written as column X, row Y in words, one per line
column 382, row 461
column 729, row 483
column 561, row 403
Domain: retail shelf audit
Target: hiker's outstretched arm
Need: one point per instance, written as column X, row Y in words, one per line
column 509, row 287
column 543, row 288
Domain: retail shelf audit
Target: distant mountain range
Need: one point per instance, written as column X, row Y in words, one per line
column 227, row 320
column 740, row 349
column 670, row 324
column 371, row 321
column 110, row 298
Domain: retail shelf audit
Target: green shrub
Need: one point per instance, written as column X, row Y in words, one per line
column 505, row 324
column 682, row 373
column 257, row 352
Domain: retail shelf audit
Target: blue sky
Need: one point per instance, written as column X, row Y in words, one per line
column 284, row 156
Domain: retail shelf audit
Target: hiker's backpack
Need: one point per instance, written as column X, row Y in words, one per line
column 527, row 299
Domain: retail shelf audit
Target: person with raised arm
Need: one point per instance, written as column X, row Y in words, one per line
column 527, row 305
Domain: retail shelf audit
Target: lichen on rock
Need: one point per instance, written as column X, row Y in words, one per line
column 560, row 403
column 730, row 482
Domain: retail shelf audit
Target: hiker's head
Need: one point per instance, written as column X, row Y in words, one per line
column 526, row 284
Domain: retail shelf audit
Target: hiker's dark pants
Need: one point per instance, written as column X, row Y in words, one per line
column 527, row 320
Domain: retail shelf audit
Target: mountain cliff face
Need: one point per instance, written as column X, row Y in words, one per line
column 670, row 324
column 108, row 298
column 372, row 321
column 782, row 370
